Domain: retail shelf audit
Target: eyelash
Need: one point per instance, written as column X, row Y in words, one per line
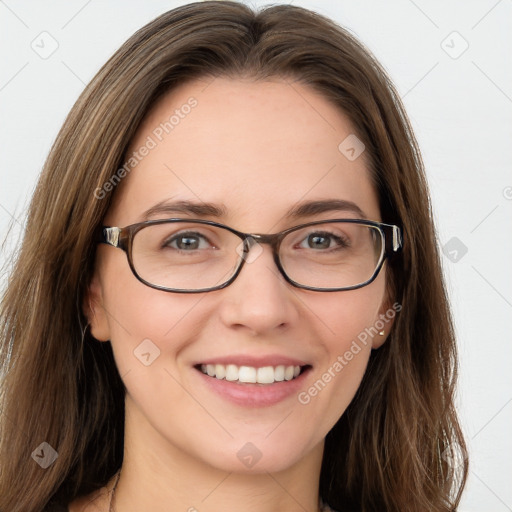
column 341, row 242
column 184, row 234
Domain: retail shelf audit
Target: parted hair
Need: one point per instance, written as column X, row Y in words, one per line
column 394, row 447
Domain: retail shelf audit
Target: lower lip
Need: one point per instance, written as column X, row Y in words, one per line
column 255, row 395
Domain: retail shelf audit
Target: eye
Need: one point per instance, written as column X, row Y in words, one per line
column 187, row 241
column 323, row 240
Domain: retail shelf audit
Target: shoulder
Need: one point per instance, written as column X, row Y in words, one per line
column 93, row 502
column 325, row 508
column 96, row 501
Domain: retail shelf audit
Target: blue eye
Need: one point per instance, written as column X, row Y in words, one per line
column 187, row 241
column 323, row 239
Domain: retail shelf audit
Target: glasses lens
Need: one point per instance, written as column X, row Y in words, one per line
column 332, row 254
column 195, row 256
column 185, row 255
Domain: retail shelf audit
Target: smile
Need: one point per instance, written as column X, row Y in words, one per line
column 251, row 374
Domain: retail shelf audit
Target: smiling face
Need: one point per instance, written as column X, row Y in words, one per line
column 255, row 150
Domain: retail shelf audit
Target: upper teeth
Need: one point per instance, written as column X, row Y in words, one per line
column 263, row 375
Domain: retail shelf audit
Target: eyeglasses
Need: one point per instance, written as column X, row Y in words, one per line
column 192, row 256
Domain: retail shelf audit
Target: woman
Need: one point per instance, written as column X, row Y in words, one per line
column 229, row 294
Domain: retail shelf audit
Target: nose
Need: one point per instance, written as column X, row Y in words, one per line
column 260, row 300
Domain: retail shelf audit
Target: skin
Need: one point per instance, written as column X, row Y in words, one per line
column 258, row 148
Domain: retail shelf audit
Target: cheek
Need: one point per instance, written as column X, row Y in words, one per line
column 348, row 316
column 147, row 326
column 347, row 324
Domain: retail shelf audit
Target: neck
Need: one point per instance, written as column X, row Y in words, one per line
column 155, row 473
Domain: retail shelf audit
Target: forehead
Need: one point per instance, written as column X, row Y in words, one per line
column 255, row 147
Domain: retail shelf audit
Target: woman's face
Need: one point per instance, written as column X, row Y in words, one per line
column 256, row 150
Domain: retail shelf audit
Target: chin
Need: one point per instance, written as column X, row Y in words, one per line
column 257, row 455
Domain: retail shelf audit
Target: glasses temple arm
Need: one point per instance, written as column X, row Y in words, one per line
column 108, row 235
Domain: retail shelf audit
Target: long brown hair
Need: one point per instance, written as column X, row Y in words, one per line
column 392, row 450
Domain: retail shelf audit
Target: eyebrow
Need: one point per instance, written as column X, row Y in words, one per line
column 300, row 210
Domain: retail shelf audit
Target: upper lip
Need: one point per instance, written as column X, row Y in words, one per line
column 255, row 361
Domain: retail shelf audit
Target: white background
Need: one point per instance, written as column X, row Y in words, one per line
column 460, row 108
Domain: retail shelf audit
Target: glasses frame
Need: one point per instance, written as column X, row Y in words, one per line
column 122, row 238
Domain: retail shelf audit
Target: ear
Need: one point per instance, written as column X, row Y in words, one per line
column 385, row 321
column 95, row 312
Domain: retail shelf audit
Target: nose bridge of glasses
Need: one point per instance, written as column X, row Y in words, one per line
column 251, row 253
column 252, row 239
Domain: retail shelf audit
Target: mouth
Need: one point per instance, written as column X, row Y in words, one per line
column 263, row 375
